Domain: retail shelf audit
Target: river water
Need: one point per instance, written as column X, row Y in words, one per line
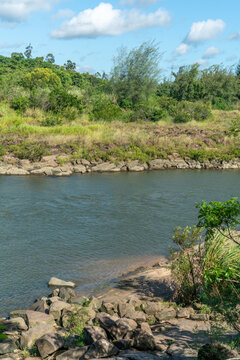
column 89, row 228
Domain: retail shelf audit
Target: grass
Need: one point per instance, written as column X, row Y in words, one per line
column 120, row 141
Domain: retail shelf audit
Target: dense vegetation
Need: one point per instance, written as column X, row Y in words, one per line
column 121, row 115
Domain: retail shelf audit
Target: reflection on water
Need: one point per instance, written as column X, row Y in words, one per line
column 89, row 228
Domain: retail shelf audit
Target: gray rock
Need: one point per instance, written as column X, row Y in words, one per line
column 124, row 308
column 56, row 309
column 129, row 324
column 49, row 343
column 40, row 305
column 143, row 340
column 108, row 308
column 79, row 169
column 58, row 282
column 66, row 293
column 7, row 346
column 199, row 317
column 105, row 167
column 29, row 337
column 94, row 333
column 184, row 313
column 15, row 324
column 181, row 351
column 137, row 316
column 18, row 313
column 79, row 300
column 35, row 318
column 123, row 344
column 74, row 354
column 136, row 166
column 115, row 329
column 152, row 308
column 137, row 355
column 166, row 314
column 157, row 164
column 101, row 349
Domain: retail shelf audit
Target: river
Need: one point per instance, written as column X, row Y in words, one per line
column 90, row 228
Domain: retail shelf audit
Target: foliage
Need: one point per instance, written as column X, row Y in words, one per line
column 2, row 150
column 60, row 99
column 20, row 103
column 2, row 336
column 187, row 111
column 221, row 216
column 40, row 78
column 135, row 73
column 29, row 150
column 69, row 65
column 28, row 51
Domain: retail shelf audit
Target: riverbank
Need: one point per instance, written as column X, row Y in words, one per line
column 49, row 166
column 128, row 322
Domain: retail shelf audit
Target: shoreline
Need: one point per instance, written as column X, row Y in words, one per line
column 49, row 166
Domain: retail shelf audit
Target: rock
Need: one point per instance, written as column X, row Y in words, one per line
column 108, row 308
column 101, row 349
column 40, row 305
column 123, row 344
column 136, row 166
column 95, row 303
column 181, row 351
column 13, row 170
column 124, row 308
column 7, row 346
column 49, row 343
column 146, row 328
column 15, row 324
column 74, row 354
column 166, row 314
column 56, row 309
column 184, row 313
column 199, row 317
column 79, row 300
column 29, row 337
column 157, row 164
column 216, row 352
column 128, row 323
column 105, row 167
column 94, row 333
column 137, row 355
column 79, row 169
column 137, row 316
column 152, row 308
column 115, row 329
column 35, row 318
column 18, row 313
column 143, row 340
column 66, row 293
column 58, row 282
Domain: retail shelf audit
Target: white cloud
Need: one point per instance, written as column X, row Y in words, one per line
column 211, row 52
column 138, row 2
column 182, row 49
column 105, row 20
column 202, row 61
column 235, row 36
column 63, row 13
column 19, row 10
column 205, row 30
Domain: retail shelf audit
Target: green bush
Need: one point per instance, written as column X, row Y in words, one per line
column 222, row 104
column 29, row 150
column 105, row 109
column 168, row 103
column 60, row 99
column 2, row 150
column 20, row 103
column 51, row 120
column 187, row 111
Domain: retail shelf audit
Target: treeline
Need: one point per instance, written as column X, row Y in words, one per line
column 131, row 92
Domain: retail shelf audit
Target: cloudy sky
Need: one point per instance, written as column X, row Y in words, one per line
column 90, row 32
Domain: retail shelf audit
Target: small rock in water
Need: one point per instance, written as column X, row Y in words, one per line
column 58, row 282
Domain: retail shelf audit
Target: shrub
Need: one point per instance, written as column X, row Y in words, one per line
column 29, row 150
column 2, row 150
column 41, row 78
column 51, row 121
column 186, row 111
column 105, row 109
column 20, row 103
column 60, row 99
column 168, row 103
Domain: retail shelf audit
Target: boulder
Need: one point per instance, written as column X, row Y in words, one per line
column 136, row 166
column 166, row 314
column 74, row 354
column 101, row 349
column 105, row 167
column 108, row 308
column 15, row 324
column 56, row 309
column 35, row 318
column 40, row 305
column 49, row 343
column 115, row 329
column 18, row 314
column 66, row 293
column 157, row 164
column 137, row 316
column 137, row 355
column 123, row 344
column 29, row 337
column 58, row 282
column 7, row 346
column 184, row 313
column 181, row 351
column 199, row 317
column 143, row 340
column 124, row 308
column 80, row 169
column 94, row 333
column 152, row 308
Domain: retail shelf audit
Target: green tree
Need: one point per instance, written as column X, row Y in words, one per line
column 70, row 65
column 238, row 69
column 50, row 58
column 41, row 78
column 135, row 74
column 28, row 51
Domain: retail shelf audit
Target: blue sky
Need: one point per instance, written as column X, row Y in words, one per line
column 90, row 32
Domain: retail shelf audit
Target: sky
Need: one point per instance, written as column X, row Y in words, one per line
column 90, row 32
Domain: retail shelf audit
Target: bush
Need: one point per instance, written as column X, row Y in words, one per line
column 187, row 111
column 2, row 150
column 168, row 103
column 20, row 103
column 60, row 99
column 51, row 121
column 29, row 150
column 41, row 78
column 105, row 109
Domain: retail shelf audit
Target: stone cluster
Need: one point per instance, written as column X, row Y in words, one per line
column 49, row 166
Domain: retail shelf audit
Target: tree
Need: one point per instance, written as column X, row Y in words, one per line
column 50, row 58
column 17, row 56
column 238, row 69
column 135, row 74
column 41, row 78
column 69, row 65
column 28, row 51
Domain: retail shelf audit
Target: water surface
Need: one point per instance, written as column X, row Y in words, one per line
column 89, row 228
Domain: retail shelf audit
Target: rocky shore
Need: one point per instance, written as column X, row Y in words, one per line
column 135, row 320
column 50, row 166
